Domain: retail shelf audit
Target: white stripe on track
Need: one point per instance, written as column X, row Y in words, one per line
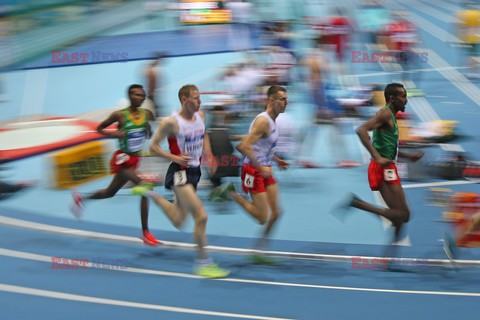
column 30, row 256
column 221, row 249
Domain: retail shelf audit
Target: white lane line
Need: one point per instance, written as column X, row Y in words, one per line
column 436, row 184
column 429, row 10
column 455, row 77
column 226, row 250
column 122, row 303
column 29, row 256
column 445, row 5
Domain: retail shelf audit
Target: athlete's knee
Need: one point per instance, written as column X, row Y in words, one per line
column 201, row 217
column 275, row 214
column 405, row 216
column 262, row 217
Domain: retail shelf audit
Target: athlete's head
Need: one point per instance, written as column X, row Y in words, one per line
column 189, row 97
column 396, row 96
column 136, row 94
column 277, row 97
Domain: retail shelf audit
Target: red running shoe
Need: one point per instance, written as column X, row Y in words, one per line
column 149, row 239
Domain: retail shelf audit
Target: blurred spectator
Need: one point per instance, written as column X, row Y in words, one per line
column 222, row 148
column 281, row 62
column 400, row 37
column 153, row 76
column 282, row 35
column 371, row 19
column 335, row 33
column 317, row 68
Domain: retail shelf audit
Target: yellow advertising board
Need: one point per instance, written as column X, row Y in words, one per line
column 79, row 164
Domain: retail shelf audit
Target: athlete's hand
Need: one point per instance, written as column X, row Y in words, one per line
column 282, row 164
column 181, row 160
column 417, row 156
column 266, row 171
column 384, row 161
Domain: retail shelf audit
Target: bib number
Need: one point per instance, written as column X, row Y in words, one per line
column 135, row 141
column 121, row 158
column 248, row 182
column 390, row 175
column 180, row 178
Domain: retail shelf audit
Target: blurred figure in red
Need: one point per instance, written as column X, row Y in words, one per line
column 401, row 37
column 337, row 33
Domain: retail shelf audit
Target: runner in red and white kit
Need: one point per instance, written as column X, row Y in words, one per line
column 258, row 146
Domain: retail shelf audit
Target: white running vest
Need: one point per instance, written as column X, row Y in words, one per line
column 264, row 148
column 189, row 139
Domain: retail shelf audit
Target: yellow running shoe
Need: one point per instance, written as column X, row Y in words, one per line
column 211, row 271
column 142, row 188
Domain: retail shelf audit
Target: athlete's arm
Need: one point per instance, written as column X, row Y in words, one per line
column 207, row 148
column 411, row 156
column 150, row 117
column 114, row 117
column 381, row 119
column 282, row 164
column 166, row 128
column 259, row 130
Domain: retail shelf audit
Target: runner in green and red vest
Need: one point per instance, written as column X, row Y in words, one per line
column 382, row 171
column 133, row 130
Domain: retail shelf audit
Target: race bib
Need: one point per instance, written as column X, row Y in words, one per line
column 180, row 178
column 248, row 182
column 121, row 158
column 390, row 175
column 135, row 141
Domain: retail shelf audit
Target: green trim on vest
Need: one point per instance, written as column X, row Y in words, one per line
column 136, row 133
